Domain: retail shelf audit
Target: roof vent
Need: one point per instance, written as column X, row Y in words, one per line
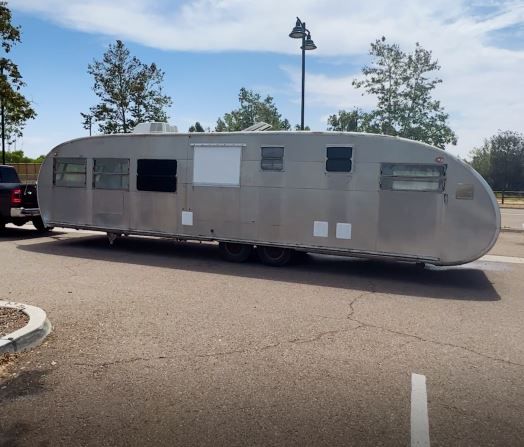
column 258, row 127
column 154, row 128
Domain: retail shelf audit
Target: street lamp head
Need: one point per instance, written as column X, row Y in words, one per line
column 308, row 43
column 298, row 31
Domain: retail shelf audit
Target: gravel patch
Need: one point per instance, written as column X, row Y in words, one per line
column 11, row 320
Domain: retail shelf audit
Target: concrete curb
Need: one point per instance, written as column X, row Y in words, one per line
column 31, row 335
column 511, row 230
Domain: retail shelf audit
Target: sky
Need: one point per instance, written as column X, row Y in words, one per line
column 209, row 49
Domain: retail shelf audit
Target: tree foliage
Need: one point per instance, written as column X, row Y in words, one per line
column 17, row 109
column 87, row 121
column 197, row 127
column 253, row 109
column 130, row 91
column 500, row 160
column 402, row 84
column 18, row 156
column 353, row 121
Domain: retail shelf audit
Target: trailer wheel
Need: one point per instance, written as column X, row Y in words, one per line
column 235, row 252
column 274, row 256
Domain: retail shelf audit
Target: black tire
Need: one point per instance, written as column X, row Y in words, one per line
column 235, row 252
column 274, row 256
column 38, row 223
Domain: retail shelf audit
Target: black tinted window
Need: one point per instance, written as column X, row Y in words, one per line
column 156, row 175
column 339, row 159
column 8, row 175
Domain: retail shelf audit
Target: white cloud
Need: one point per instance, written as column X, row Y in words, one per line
column 483, row 86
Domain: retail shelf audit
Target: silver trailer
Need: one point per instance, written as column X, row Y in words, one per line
column 348, row 194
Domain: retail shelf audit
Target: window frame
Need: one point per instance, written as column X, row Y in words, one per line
column 62, row 160
column 120, row 174
column 272, row 159
column 351, row 158
column 160, row 160
column 390, row 178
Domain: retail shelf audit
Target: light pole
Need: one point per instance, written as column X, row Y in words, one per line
column 2, row 113
column 301, row 32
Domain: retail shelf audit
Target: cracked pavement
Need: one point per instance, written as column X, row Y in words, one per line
column 162, row 343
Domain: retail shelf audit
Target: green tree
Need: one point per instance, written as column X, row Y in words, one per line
column 403, row 85
column 500, row 160
column 253, row 109
column 17, row 109
column 481, row 161
column 87, row 122
column 197, row 127
column 18, row 156
column 354, row 121
column 130, row 92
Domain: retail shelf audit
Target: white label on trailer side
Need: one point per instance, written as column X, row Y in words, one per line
column 187, row 218
column 320, row 229
column 343, row 231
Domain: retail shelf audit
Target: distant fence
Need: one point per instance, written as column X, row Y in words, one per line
column 28, row 172
column 510, row 197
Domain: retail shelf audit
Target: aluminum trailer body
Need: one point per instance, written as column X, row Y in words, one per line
column 348, row 194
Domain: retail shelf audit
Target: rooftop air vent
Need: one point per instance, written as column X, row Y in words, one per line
column 154, row 128
column 258, row 127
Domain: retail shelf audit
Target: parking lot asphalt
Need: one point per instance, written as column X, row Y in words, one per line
column 162, row 343
column 512, row 218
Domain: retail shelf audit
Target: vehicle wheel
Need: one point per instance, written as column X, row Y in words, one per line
column 2, row 226
column 38, row 223
column 274, row 256
column 19, row 223
column 235, row 252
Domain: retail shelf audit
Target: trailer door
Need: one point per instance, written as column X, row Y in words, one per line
column 410, row 209
column 110, row 193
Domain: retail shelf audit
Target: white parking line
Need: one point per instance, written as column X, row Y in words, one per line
column 419, row 412
column 507, row 259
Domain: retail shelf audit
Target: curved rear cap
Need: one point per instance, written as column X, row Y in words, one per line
column 471, row 216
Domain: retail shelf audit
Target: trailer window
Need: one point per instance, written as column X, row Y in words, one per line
column 70, row 172
column 111, row 173
column 156, row 175
column 339, row 159
column 412, row 177
column 272, row 159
